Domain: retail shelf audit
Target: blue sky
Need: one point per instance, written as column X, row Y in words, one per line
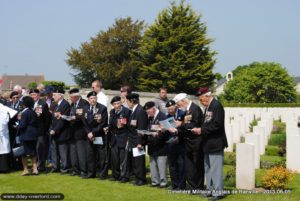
column 36, row 34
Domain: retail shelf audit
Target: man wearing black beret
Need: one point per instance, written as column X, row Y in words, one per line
column 44, row 121
column 137, row 121
column 95, row 121
column 119, row 130
column 176, row 149
column 78, row 135
column 157, row 147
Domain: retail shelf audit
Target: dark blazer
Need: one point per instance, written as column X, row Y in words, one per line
column 44, row 119
column 91, row 124
column 192, row 119
column 212, row 129
column 61, row 126
column 178, row 147
column 28, row 126
column 17, row 106
column 119, row 135
column 157, row 145
column 137, row 121
column 76, row 126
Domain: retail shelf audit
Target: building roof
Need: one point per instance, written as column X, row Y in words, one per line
column 9, row 81
column 297, row 79
column 221, row 81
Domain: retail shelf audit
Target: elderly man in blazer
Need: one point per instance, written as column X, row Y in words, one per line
column 212, row 131
column 194, row 157
column 137, row 121
column 95, row 121
column 78, row 134
column 60, row 133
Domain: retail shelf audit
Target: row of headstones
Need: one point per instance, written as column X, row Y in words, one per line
column 237, row 125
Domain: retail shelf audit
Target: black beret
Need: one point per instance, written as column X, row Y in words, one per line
column 34, row 91
column 132, row 96
column 60, row 91
column 92, row 93
column 149, row 105
column 115, row 99
column 14, row 93
column 170, row 103
column 74, row 91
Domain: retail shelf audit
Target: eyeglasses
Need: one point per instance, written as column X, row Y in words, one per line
column 15, row 97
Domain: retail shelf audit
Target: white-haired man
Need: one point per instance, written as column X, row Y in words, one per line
column 194, row 164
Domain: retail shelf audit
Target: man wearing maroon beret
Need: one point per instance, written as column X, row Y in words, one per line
column 214, row 141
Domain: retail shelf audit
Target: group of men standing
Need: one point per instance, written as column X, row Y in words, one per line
column 82, row 139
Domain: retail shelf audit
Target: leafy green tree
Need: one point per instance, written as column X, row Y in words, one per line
column 107, row 55
column 264, row 82
column 55, row 84
column 32, row 85
column 174, row 52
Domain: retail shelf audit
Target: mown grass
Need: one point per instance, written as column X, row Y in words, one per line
column 75, row 188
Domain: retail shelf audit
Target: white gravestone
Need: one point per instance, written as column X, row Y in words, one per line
column 245, row 169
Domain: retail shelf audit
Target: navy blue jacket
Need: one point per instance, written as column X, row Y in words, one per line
column 119, row 135
column 157, row 145
column 28, row 126
column 61, row 126
column 176, row 148
column 93, row 125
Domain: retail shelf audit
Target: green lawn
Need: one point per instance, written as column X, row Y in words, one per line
column 75, row 188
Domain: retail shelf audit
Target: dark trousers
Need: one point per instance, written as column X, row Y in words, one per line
column 118, row 162
column 138, row 165
column 60, row 152
column 97, row 158
column 194, row 169
column 177, row 169
column 42, row 146
column 78, row 156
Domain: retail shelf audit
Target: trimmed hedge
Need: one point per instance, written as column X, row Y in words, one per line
column 277, row 139
column 272, row 150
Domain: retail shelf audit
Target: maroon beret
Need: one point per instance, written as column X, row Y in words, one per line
column 201, row 91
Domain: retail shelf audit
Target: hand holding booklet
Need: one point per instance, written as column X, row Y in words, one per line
column 98, row 141
column 144, row 132
column 168, row 123
column 138, row 152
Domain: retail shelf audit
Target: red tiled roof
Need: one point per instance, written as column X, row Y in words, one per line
column 9, row 81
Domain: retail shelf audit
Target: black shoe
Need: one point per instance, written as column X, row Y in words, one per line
column 74, row 173
column 102, row 177
column 54, row 170
column 63, row 171
column 139, row 183
column 154, row 185
column 114, row 179
column 214, row 198
column 42, row 169
column 124, row 180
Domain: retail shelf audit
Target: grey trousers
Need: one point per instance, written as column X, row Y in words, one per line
column 158, row 170
column 60, row 155
column 213, row 164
